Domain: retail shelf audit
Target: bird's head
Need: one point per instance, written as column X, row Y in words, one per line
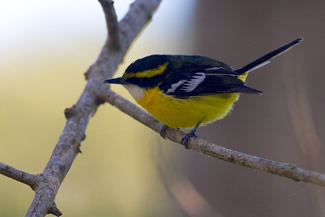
column 143, row 74
column 146, row 72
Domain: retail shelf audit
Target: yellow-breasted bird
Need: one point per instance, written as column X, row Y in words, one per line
column 185, row 91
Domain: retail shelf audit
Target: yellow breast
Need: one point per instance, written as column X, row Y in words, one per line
column 186, row 113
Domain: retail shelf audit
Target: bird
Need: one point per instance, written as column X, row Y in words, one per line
column 189, row 91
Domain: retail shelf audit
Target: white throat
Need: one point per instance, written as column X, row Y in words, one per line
column 136, row 92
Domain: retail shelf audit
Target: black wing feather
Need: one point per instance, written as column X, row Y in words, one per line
column 215, row 80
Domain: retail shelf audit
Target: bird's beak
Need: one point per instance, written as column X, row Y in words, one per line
column 115, row 81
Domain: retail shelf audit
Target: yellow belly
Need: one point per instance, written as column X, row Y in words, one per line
column 186, row 113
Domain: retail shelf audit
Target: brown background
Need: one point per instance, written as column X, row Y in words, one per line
column 286, row 123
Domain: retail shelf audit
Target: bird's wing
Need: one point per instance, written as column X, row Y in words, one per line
column 203, row 81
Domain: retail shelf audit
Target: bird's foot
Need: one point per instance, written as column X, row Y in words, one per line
column 187, row 137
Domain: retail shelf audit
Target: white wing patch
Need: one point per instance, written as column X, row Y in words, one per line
column 174, row 86
column 197, row 79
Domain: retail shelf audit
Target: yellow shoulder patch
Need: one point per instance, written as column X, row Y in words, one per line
column 243, row 76
column 148, row 73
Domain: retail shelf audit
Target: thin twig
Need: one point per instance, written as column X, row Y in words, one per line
column 112, row 24
column 287, row 170
column 68, row 145
column 20, row 176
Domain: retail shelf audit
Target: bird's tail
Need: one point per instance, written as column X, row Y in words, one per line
column 262, row 61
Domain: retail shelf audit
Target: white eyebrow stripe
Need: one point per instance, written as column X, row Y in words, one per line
column 174, row 86
column 197, row 79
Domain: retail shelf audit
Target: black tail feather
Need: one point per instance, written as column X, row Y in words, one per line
column 245, row 89
column 268, row 56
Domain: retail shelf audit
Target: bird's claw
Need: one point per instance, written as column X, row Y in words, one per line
column 186, row 139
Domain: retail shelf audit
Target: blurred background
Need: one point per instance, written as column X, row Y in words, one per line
column 46, row 46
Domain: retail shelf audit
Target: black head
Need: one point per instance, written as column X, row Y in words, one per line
column 146, row 63
column 146, row 72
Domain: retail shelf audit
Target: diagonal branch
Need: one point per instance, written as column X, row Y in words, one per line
column 78, row 116
column 112, row 24
column 20, row 176
column 287, row 170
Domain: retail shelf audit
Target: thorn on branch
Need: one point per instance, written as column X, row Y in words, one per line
column 83, row 137
column 77, row 145
column 86, row 74
column 54, row 210
column 70, row 112
column 111, row 23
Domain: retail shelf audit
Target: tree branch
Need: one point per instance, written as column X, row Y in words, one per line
column 20, row 176
column 112, row 24
column 68, row 145
column 287, row 170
